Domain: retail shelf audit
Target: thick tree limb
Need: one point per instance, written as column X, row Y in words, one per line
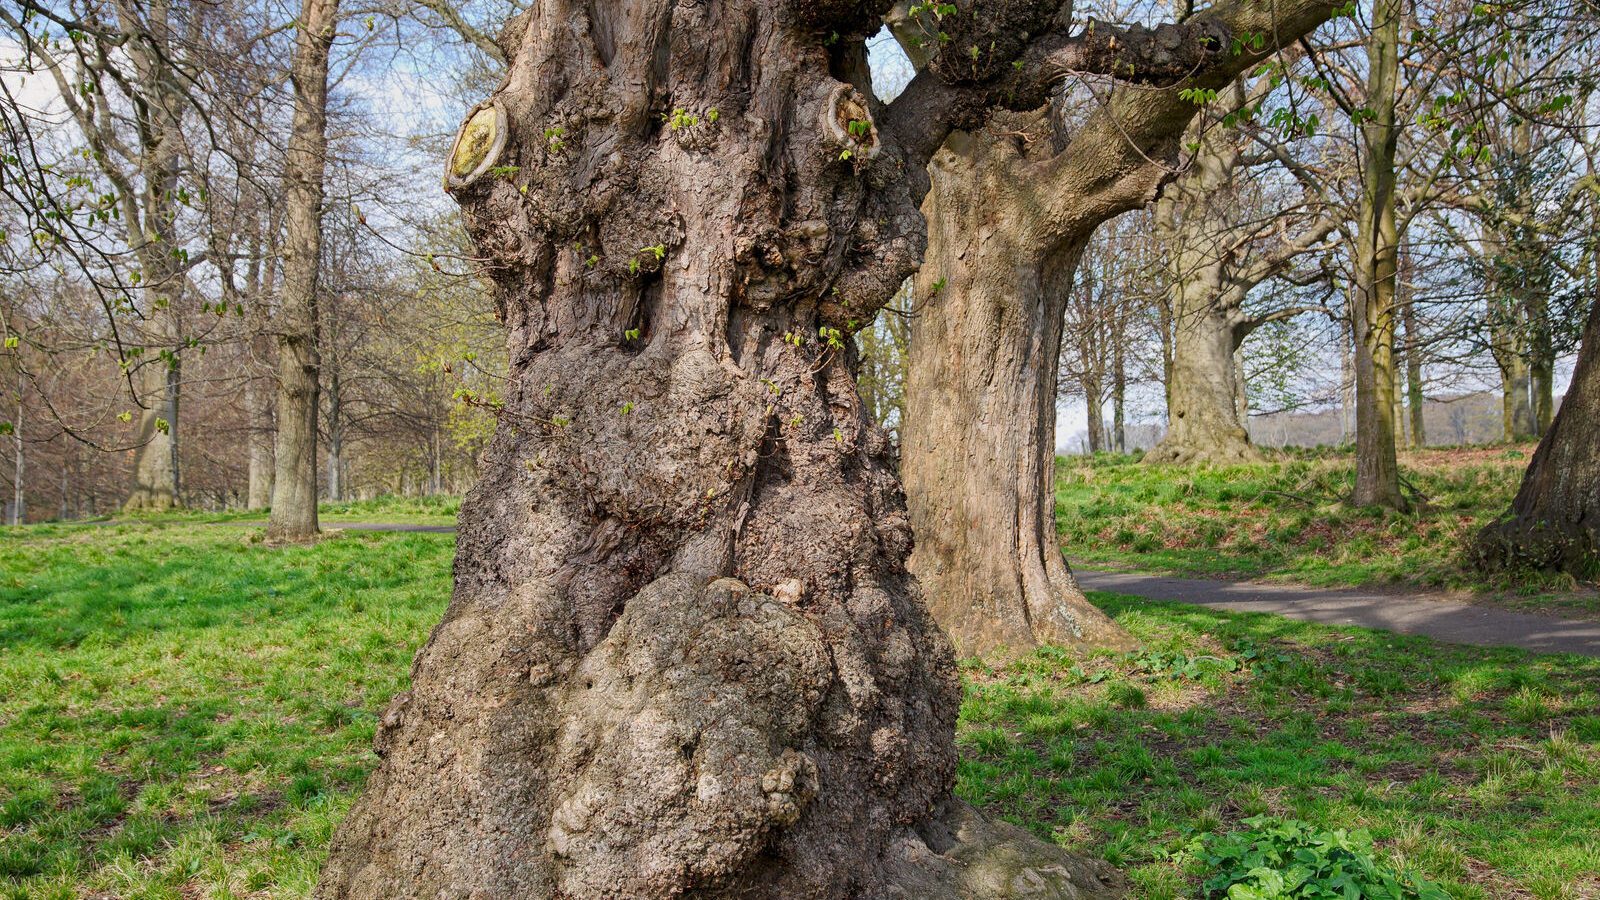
column 933, row 105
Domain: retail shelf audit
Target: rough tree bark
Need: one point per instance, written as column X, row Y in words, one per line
column 155, row 470
column 1554, row 522
column 294, row 485
column 1377, row 262
column 1006, row 203
column 684, row 656
column 979, row 434
column 258, row 406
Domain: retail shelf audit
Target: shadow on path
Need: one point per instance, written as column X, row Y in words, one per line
column 1457, row 623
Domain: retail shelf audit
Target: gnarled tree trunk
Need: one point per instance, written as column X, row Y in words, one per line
column 1007, row 206
column 684, row 656
column 1554, row 522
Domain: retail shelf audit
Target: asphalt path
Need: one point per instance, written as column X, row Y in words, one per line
column 1457, row 623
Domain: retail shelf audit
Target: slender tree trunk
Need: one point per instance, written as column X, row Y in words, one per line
column 979, row 436
column 1119, row 392
column 336, row 485
column 257, row 401
column 259, row 389
column 18, row 500
column 1399, row 411
column 1414, row 397
column 1094, row 414
column 1377, row 259
column 1554, row 522
column 1347, row 379
column 294, row 489
column 1541, row 366
column 1516, row 407
column 684, row 656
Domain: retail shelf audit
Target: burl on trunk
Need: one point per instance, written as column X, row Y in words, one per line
column 683, row 656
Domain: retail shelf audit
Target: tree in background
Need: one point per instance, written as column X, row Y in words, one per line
column 294, row 483
column 881, row 375
column 1225, row 227
column 1011, row 208
column 1554, row 522
column 1102, row 313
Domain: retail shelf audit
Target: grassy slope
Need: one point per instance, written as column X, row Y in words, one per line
column 186, row 713
column 1283, row 519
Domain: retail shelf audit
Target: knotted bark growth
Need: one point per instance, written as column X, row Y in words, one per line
column 683, row 655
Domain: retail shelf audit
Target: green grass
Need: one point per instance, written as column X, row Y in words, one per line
column 1480, row 769
column 391, row 510
column 187, row 713
column 182, row 707
column 1285, row 518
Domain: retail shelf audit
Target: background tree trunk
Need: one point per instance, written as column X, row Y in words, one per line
column 1377, row 263
column 1203, row 420
column 1203, row 415
column 1414, row 395
column 258, row 403
column 294, row 489
column 260, row 283
column 19, row 512
column 1554, row 522
column 155, row 477
column 683, row 656
column 1119, row 393
column 1516, row 397
column 979, row 435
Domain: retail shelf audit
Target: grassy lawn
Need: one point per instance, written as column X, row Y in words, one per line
column 1478, row 768
column 388, row 510
column 1285, row 519
column 185, row 713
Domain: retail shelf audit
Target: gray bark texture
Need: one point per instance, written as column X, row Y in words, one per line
column 1554, row 522
column 684, row 656
column 1215, row 259
column 294, row 483
column 150, row 218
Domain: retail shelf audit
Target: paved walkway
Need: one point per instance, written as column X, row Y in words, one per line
column 1457, row 623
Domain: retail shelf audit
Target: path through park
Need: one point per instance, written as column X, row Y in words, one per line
column 1458, row 623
